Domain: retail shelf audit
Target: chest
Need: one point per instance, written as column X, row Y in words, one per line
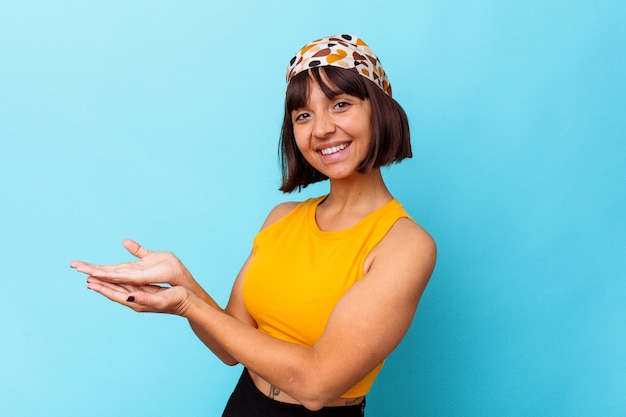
column 292, row 286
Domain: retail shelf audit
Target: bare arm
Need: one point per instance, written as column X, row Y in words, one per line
column 366, row 325
column 118, row 281
column 235, row 309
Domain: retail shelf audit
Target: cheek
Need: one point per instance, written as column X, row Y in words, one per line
column 300, row 139
column 303, row 145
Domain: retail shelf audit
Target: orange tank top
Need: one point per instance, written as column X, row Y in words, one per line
column 298, row 273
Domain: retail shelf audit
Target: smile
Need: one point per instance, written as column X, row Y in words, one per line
column 334, row 149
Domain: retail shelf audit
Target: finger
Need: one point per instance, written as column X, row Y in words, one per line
column 135, row 248
column 105, row 271
column 116, row 293
column 85, row 267
column 123, row 289
column 76, row 264
column 93, row 282
column 142, row 301
column 81, row 266
column 111, row 291
column 130, row 273
column 149, row 289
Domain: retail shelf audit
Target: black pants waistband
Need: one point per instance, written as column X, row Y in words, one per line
column 247, row 401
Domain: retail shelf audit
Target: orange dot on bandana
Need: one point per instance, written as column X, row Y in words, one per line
column 338, row 56
column 365, row 72
column 306, row 48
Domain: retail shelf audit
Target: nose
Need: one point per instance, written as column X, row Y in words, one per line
column 323, row 125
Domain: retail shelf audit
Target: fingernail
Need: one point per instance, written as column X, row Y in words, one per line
column 130, row 299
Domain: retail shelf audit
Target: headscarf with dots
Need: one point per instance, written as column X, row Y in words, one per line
column 343, row 51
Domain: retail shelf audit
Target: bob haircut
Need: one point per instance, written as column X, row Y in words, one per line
column 390, row 127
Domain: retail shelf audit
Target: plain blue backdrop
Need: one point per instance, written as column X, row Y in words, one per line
column 159, row 121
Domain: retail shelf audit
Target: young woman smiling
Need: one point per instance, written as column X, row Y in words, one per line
column 333, row 282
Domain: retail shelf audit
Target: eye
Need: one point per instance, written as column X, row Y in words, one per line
column 343, row 104
column 300, row 116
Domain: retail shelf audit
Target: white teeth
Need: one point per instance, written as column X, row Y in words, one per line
column 334, row 149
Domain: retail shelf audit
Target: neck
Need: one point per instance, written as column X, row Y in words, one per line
column 361, row 190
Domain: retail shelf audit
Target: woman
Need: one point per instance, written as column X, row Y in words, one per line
column 332, row 283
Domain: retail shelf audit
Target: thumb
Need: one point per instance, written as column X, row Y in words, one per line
column 135, row 248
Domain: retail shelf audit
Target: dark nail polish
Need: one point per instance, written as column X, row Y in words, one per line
column 130, row 299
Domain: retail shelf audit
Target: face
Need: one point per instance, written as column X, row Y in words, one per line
column 333, row 135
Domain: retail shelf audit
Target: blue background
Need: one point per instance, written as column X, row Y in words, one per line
column 159, row 121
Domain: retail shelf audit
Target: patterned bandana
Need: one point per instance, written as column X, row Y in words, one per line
column 343, row 51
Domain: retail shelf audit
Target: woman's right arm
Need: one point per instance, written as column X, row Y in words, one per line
column 156, row 267
column 235, row 308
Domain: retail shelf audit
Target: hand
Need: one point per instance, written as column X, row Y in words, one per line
column 152, row 268
column 144, row 298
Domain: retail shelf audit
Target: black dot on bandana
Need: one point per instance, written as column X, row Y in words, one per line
column 347, row 37
column 292, row 60
column 314, row 64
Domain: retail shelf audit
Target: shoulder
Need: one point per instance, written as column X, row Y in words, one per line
column 278, row 212
column 406, row 228
column 282, row 209
column 407, row 249
column 407, row 234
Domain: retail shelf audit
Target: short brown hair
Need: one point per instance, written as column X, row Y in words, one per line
column 390, row 127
